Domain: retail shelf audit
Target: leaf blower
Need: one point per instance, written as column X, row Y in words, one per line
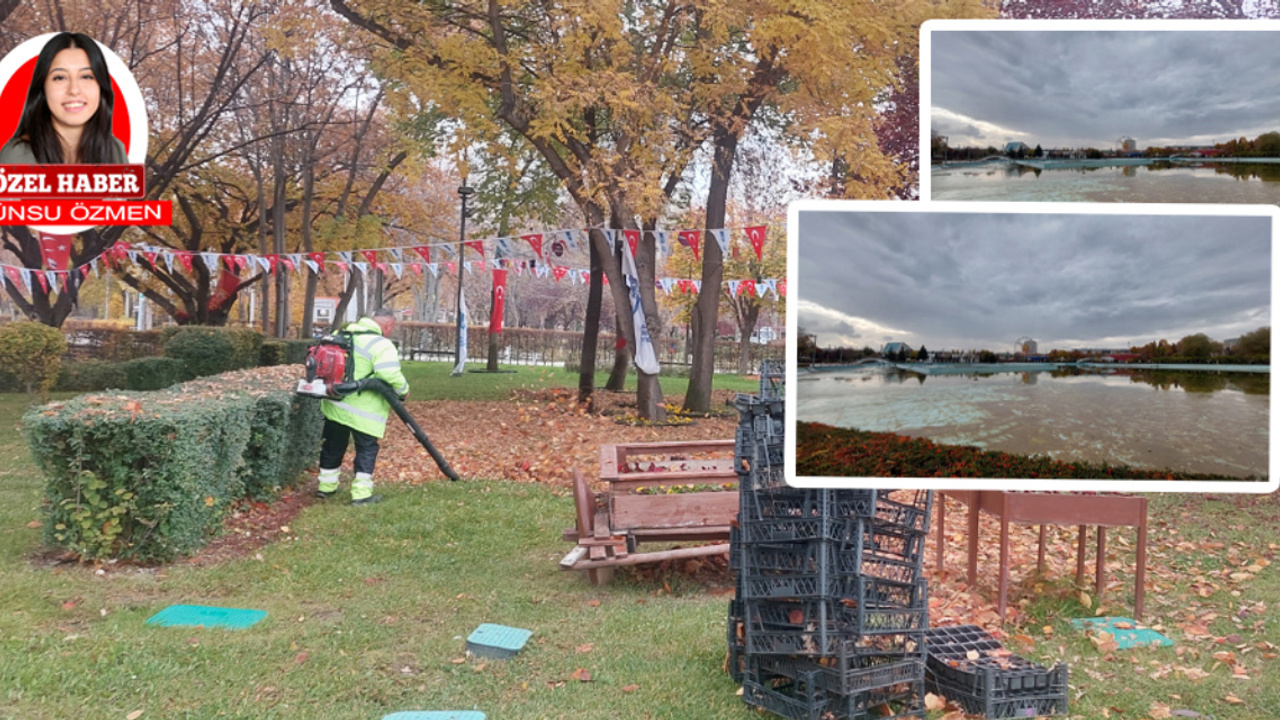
column 329, row 370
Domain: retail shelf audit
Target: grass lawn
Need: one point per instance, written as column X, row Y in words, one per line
column 433, row 381
column 369, row 608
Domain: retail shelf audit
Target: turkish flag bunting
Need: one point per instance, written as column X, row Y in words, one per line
column 424, row 251
column 417, row 268
column 341, row 266
column 371, row 256
column 476, row 245
column 56, row 251
column 287, row 263
column 749, row 287
column 184, row 257
column 756, row 236
column 633, row 239
column 84, row 271
column 151, row 258
column 480, row 265
column 689, row 239
column 452, row 268
column 230, row 260
column 782, row 288
column 317, row 258
column 535, row 241
column 273, row 260
column 499, row 294
column 559, row 271
column 43, row 282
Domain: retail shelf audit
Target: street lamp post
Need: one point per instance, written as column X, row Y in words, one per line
column 464, row 192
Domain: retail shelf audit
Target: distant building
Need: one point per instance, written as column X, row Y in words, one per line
column 894, row 347
column 1015, row 147
column 1128, row 145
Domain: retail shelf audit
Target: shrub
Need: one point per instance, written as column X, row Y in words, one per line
column 246, row 346
column 91, row 376
column 205, row 350
column 32, row 353
column 283, row 352
column 150, row 475
column 154, row 373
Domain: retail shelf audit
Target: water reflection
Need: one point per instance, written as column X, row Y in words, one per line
column 1202, row 421
column 1156, row 181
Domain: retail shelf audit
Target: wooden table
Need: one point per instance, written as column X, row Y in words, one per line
column 611, row 524
column 1107, row 510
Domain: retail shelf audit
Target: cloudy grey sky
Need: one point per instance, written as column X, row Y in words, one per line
column 1088, row 88
column 982, row 280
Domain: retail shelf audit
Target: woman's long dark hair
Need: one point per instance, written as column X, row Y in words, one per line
column 36, row 125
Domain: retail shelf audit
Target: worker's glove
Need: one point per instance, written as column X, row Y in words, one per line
column 405, row 396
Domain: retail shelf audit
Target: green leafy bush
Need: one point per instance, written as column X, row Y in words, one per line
column 32, row 353
column 246, row 347
column 150, row 475
column 91, row 376
column 283, row 352
column 205, row 350
column 154, row 373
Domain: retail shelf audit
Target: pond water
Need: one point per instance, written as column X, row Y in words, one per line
column 1152, row 182
column 1203, row 422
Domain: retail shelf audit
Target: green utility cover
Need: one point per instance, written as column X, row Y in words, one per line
column 204, row 616
column 497, row 641
column 1127, row 637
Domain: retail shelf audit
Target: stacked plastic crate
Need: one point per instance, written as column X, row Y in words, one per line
column 829, row 616
column 967, row 665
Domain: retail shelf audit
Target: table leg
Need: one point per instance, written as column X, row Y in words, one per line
column 1100, row 576
column 1080, row 555
column 973, row 545
column 1040, row 556
column 1004, row 563
column 940, row 534
column 1140, row 582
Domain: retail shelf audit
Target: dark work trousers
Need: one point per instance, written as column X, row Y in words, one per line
column 335, row 437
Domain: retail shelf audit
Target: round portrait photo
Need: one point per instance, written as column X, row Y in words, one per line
column 67, row 99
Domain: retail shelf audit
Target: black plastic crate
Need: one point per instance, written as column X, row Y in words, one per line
column 773, row 378
column 993, row 681
column 874, row 608
column 759, row 477
column 868, row 673
column 838, row 651
column 774, row 558
column 891, row 541
column 736, row 640
column 802, row 698
column 781, row 530
column 910, row 510
column 787, row 502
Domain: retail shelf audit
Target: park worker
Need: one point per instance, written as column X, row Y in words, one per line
column 362, row 415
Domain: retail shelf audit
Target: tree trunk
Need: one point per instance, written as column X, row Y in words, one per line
column 706, row 311
column 618, row 374
column 746, row 326
column 308, row 189
column 591, row 326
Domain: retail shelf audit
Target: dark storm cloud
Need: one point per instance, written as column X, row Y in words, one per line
column 974, row 280
column 1087, row 88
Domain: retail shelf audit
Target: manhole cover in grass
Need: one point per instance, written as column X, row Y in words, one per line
column 205, row 616
column 497, row 641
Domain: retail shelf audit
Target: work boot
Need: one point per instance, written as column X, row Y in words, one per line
column 328, row 484
column 325, row 495
column 368, row 500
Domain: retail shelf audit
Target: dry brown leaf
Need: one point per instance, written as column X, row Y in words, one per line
column 133, row 715
column 581, row 675
column 630, row 688
column 1160, row 711
column 933, row 702
column 1232, row 699
column 585, row 647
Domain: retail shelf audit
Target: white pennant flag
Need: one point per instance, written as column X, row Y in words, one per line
column 467, row 265
column 542, row 271
column 697, row 285
column 503, row 248
column 629, row 262
column 26, row 279
column 761, row 289
column 315, row 266
column 645, row 357
column 663, row 236
column 449, row 249
column 210, row 260
column 570, row 239
column 434, row 268
column 668, row 284
column 722, row 239
column 94, row 265
column 345, row 255
column 133, row 256
column 297, row 263
column 52, row 277
column 611, row 236
column 462, row 336
column 263, row 263
column 363, row 267
column 771, row 285
column 398, row 268
column 168, row 260
column 733, row 287
column 396, row 253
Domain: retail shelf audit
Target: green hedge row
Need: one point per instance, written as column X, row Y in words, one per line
column 153, row 373
column 283, row 352
column 149, row 475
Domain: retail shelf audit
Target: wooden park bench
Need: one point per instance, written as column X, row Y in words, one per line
column 637, row 507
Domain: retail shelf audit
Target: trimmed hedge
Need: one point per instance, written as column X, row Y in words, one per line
column 153, row 373
column 32, row 353
column 283, row 352
column 149, row 476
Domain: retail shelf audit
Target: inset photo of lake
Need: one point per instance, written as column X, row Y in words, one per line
column 1016, row 346
column 1160, row 112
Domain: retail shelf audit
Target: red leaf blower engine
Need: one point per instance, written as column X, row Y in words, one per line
column 329, row 375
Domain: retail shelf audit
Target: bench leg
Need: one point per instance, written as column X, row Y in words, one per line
column 600, row 576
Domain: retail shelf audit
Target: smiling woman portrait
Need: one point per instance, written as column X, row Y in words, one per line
column 67, row 114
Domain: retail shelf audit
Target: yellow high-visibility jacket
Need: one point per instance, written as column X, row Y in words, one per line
column 374, row 355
